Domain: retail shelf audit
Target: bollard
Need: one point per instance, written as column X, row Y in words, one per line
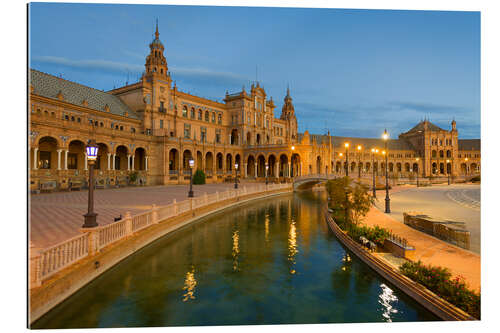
column 176, row 208
column 128, row 224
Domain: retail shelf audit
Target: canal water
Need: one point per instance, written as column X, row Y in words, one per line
column 272, row 261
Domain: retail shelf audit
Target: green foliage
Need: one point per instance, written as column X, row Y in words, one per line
column 133, row 176
column 438, row 280
column 375, row 234
column 475, row 179
column 199, row 177
column 357, row 201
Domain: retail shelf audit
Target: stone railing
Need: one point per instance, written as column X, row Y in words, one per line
column 47, row 262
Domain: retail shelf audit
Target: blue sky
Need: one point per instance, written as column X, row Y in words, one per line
column 354, row 72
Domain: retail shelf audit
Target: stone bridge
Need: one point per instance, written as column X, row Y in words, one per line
column 308, row 181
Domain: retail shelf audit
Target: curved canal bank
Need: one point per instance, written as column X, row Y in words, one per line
column 270, row 261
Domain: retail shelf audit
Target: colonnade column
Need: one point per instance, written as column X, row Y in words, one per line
column 109, row 161
column 245, row 169
column 35, row 158
column 133, row 160
column 289, row 169
column 146, row 163
column 255, row 165
column 59, row 159
column 128, row 162
column 114, row 160
column 300, row 169
column 277, row 169
column 85, row 168
column 66, row 159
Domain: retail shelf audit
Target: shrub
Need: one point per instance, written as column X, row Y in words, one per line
column 475, row 179
column 199, row 177
column 438, row 280
column 133, row 176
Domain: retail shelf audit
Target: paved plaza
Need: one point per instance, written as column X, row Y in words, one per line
column 457, row 202
column 55, row 217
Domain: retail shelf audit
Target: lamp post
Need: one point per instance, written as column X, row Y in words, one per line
column 340, row 158
column 291, row 165
column 267, row 168
column 191, row 165
column 373, row 172
column 385, row 136
column 90, row 219
column 418, row 169
column 359, row 161
column 448, row 172
column 466, row 166
column 346, row 145
column 236, row 175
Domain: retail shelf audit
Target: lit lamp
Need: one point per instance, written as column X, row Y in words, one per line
column 385, row 136
column 236, row 175
column 267, row 168
column 346, row 145
column 191, row 165
column 466, row 166
column 90, row 219
column 374, row 192
column 448, row 172
column 359, row 161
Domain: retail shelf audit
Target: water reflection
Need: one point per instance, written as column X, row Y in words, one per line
column 292, row 246
column 266, row 228
column 346, row 261
column 386, row 299
column 189, row 286
column 236, row 249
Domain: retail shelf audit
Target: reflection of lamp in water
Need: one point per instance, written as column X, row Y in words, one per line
column 292, row 246
column 236, row 249
column 385, row 299
column 266, row 226
column 346, row 260
column 189, row 285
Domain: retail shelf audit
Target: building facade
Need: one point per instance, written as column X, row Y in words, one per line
column 149, row 130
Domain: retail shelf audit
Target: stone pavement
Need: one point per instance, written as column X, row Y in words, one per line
column 55, row 217
column 431, row 250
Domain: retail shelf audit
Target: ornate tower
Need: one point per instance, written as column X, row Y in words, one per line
column 288, row 114
column 155, row 62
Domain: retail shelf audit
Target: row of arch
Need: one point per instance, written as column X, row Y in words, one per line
column 367, row 167
column 434, row 154
column 49, row 154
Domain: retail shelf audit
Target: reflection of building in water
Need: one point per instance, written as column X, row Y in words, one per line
column 346, row 261
column 292, row 246
column 266, row 226
column 189, row 286
column 236, row 249
column 386, row 298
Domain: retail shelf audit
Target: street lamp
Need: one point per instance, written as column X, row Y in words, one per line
column 418, row 167
column 267, row 168
column 359, row 161
column 340, row 158
column 448, row 172
column 236, row 175
column 90, row 219
column 191, row 165
column 466, row 166
column 385, row 136
column 373, row 172
column 346, row 159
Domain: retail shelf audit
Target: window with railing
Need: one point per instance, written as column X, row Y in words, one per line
column 217, row 135
column 187, row 131
column 184, row 112
column 162, row 107
column 203, row 134
column 192, row 113
column 219, row 119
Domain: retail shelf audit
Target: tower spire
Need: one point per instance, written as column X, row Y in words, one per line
column 157, row 34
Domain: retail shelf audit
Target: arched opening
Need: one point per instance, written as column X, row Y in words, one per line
column 47, row 153
column 173, row 160
column 251, row 166
column 398, row 167
column 474, row 168
column 234, row 137
column 229, row 162
column 237, row 160
column 367, row 166
column 353, row 166
column 463, row 168
column 219, row 161
column 360, row 168
column 318, row 165
column 434, row 154
column 140, row 159
column 407, row 167
column 448, row 153
column 76, row 155
column 375, row 168
column 391, row 167
column 101, row 162
column 249, row 138
column 448, row 168
column 121, row 158
column 272, row 166
column 209, row 163
column 441, row 168
column 261, row 166
column 415, row 167
column 434, row 167
column 338, row 167
column 186, row 156
column 441, row 154
column 258, row 139
column 295, row 165
column 199, row 160
column 283, row 172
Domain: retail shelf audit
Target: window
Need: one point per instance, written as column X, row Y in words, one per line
column 207, row 116
column 79, row 121
column 67, row 118
column 217, row 135
column 219, row 119
column 162, row 106
column 44, row 162
column 213, row 117
column 187, row 131
column 72, row 118
column 203, row 134
column 72, row 160
column 121, row 128
column 161, row 123
column 192, row 113
column 132, row 129
column 200, row 117
column 184, row 112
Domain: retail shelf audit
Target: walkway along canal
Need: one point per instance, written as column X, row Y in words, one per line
column 271, row 261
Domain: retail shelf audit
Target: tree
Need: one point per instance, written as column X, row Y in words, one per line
column 199, row 177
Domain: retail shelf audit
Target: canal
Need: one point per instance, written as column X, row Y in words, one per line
column 272, row 261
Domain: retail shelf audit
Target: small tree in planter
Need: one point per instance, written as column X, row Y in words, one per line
column 133, row 177
column 199, row 177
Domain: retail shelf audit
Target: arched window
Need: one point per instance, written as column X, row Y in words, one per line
column 213, row 117
column 192, row 113
column 200, row 117
column 441, row 154
column 207, row 116
column 219, row 119
column 184, row 111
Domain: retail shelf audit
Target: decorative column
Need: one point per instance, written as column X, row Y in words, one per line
column 133, row 164
column 289, row 168
column 255, row 165
column 277, row 169
column 85, row 168
column 300, row 169
column 66, row 159
column 245, row 169
column 146, row 163
column 128, row 162
column 59, row 159
column 109, row 161
column 35, row 158
column 114, row 160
